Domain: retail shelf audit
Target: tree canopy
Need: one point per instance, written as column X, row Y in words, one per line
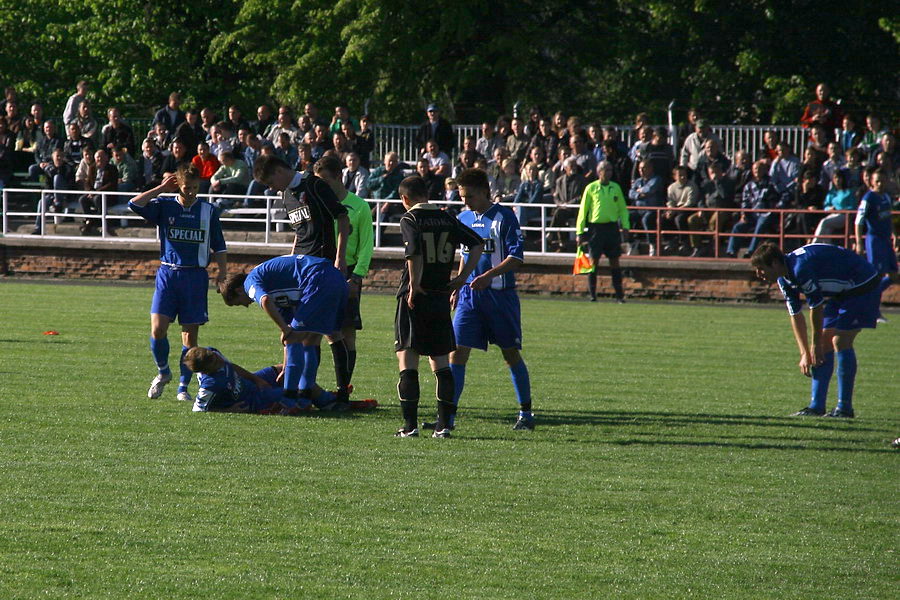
column 747, row 62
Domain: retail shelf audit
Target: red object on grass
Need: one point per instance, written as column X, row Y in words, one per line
column 51, row 332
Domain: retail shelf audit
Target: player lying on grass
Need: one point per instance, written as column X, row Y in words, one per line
column 842, row 291
column 422, row 325
column 189, row 233
column 228, row 387
column 305, row 297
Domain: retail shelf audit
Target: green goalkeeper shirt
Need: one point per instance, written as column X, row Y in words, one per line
column 602, row 203
column 362, row 238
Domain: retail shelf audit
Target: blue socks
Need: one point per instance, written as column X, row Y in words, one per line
column 522, row 385
column 160, row 350
column 821, row 376
column 293, row 367
column 459, row 380
column 846, row 375
column 885, row 283
column 185, row 379
column 310, row 367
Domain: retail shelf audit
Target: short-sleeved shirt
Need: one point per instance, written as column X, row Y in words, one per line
column 312, row 209
column 499, row 228
column 284, row 279
column 225, row 388
column 433, row 234
column 820, row 272
column 875, row 211
column 186, row 235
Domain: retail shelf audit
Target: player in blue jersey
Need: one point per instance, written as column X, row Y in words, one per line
column 487, row 308
column 305, row 296
column 189, row 233
column 875, row 213
column 228, row 387
column 842, row 292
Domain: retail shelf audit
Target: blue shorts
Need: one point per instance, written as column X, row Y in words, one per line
column 181, row 293
column 881, row 255
column 322, row 304
column 488, row 316
column 857, row 312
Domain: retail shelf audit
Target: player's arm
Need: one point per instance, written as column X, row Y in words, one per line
column 624, row 219
column 343, row 228
column 583, row 212
column 259, row 381
column 272, row 310
column 168, row 186
column 508, row 264
column 858, row 222
column 798, row 326
column 219, row 250
column 366, row 243
column 475, row 247
column 415, row 264
column 511, row 237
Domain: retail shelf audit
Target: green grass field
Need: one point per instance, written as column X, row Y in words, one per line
column 663, row 465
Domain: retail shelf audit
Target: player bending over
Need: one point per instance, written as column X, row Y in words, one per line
column 305, row 297
column 487, row 309
column 227, row 387
column 422, row 325
column 841, row 289
column 189, row 232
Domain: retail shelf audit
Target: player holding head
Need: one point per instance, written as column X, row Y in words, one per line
column 305, row 297
column 842, row 292
column 487, row 308
column 189, row 232
column 875, row 213
column 422, row 325
column 227, row 387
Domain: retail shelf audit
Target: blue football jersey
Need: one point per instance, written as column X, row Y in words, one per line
column 226, row 390
column 499, row 228
column 284, row 279
column 821, row 271
column 875, row 211
column 186, row 235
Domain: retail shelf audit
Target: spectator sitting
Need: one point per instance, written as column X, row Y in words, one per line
column 251, row 145
column 647, row 190
column 575, row 128
column 783, row 174
column 341, row 116
column 567, row 193
column 681, row 193
column 465, row 161
column 530, row 191
column 470, row 145
column 834, row 164
column 534, row 119
column 13, row 118
column 236, row 119
column 759, row 193
column 305, row 160
column 434, row 183
column 208, row 120
column 610, row 133
column 176, row 157
column 739, row 171
column 74, row 144
column 584, row 158
column 495, row 165
column 365, row 142
column 810, row 164
column 315, row 149
column 693, row 144
column 839, row 197
column 808, row 197
column 340, row 145
column 823, row 112
column 769, row 148
column 559, row 167
column 117, row 133
column 206, row 164
column 489, row 141
column 619, row 161
column 283, row 125
column 436, row 128
column 70, row 114
column 28, row 137
column 43, row 153
column 662, row 155
column 264, row 120
column 517, row 143
column 322, row 138
column 852, row 168
column 818, row 141
column 850, row 137
column 160, row 135
column 507, row 183
column 127, row 170
column 481, row 163
column 223, row 139
column 87, row 124
column 37, row 112
column 545, row 139
column 712, row 153
column 874, row 133
column 311, row 111
column 231, row 178
column 106, row 180
column 350, row 137
column 150, row 165
column 60, row 175
column 86, row 172
column 439, row 163
column 638, row 151
column 887, row 145
column 717, row 192
column 595, row 141
column 171, row 115
column 890, row 184
column 354, row 176
column 185, row 133
column 287, row 151
column 545, row 173
column 192, row 121
column 384, row 182
column 687, row 128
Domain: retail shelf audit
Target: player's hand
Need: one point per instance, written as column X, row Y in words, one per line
column 480, row 283
column 817, row 354
column 456, row 283
column 454, row 298
column 414, row 290
column 286, row 334
column 355, row 287
column 169, row 184
column 220, row 284
column 341, row 265
column 806, row 364
column 861, row 249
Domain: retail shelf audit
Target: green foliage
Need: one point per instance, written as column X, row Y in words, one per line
column 749, row 62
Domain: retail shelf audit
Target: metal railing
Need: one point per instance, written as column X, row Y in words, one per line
column 539, row 233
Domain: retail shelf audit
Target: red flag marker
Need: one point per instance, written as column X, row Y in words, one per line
column 51, row 332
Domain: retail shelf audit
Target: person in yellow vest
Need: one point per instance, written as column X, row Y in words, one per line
column 602, row 213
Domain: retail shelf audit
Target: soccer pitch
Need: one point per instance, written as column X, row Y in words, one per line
column 663, row 464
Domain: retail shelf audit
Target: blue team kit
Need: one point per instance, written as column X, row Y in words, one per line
column 875, row 211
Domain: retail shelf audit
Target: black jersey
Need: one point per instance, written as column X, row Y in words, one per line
column 312, row 209
column 434, row 234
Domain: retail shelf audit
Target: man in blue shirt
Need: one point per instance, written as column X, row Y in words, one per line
column 487, row 307
column 875, row 213
column 189, row 232
column 305, row 296
column 841, row 289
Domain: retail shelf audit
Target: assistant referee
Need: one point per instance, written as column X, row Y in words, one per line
column 601, row 213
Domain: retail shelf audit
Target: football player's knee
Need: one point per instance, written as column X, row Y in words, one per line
column 444, row 384
column 408, row 386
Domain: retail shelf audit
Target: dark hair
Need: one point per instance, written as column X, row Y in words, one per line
column 201, row 360
column 766, row 255
column 266, row 166
column 234, row 283
column 841, row 179
column 474, row 178
column 413, row 187
column 186, row 171
column 329, row 164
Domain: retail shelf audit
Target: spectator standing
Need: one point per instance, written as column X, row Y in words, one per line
column 171, row 115
column 567, row 192
column 435, row 128
column 365, row 141
column 43, row 152
column 236, row 118
column 74, row 144
column 488, row 141
column 823, row 111
column 769, row 148
column 517, row 143
column 88, row 124
column 70, row 113
column 661, row 154
column 59, row 175
column 693, row 144
column 264, row 120
column 546, row 138
column 117, row 133
column 193, row 122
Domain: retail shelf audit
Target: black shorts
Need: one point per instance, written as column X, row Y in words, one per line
column 605, row 239
column 352, row 316
column 427, row 328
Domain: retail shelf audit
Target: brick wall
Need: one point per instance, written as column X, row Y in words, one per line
column 665, row 280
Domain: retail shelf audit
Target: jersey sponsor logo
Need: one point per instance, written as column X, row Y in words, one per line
column 477, row 225
column 186, row 234
column 299, row 215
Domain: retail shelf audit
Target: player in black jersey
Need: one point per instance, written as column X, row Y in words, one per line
column 321, row 228
column 422, row 324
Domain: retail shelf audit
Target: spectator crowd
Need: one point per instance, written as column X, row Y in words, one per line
column 529, row 158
